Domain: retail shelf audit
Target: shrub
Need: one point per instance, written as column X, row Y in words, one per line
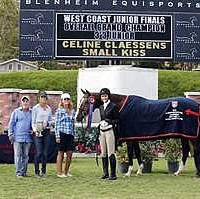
column 121, row 153
column 148, row 152
column 172, row 149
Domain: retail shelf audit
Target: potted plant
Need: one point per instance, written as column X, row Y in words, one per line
column 147, row 155
column 122, row 158
column 172, row 151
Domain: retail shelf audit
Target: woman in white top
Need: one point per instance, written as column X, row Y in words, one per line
column 41, row 122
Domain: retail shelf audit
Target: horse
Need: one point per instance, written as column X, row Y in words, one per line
column 190, row 54
column 35, row 52
column 190, row 38
column 35, row 36
column 142, row 119
column 36, row 19
column 190, row 22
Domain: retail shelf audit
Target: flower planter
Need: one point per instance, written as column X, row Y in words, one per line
column 123, row 167
column 172, row 167
column 147, row 167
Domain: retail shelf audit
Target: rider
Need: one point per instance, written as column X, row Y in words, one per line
column 108, row 126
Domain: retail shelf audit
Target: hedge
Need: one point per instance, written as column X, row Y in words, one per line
column 58, row 80
column 175, row 83
column 171, row 83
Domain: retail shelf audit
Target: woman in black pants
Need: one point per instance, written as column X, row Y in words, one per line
column 108, row 124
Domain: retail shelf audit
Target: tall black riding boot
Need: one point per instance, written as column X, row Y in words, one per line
column 105, row 168
column 113, row 167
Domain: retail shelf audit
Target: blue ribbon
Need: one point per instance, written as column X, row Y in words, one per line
column 90, row 115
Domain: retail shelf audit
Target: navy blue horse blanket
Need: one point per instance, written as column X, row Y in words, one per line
column 141, row 118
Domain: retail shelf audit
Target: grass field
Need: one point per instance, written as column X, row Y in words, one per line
column 86, row 183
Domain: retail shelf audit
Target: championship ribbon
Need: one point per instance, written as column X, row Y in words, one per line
column 91, row 105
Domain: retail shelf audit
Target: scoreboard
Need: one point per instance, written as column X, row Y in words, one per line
column 111, row 29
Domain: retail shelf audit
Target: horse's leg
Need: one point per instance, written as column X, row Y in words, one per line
column 136, row 148
column 196, row 145
column 130, row 158
column 185, row 153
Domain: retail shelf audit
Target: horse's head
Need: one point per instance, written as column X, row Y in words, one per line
column 90, row 101
column 39, row 16
column 38, row 49
column 193, row 19
column 84, row 105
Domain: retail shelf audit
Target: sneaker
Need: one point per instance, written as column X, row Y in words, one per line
column 44, row 175
column 37, row 175
column 61, row 175
column 68, row 175
column 19, row 176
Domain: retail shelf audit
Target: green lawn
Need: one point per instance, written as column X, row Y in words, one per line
column 86, row 183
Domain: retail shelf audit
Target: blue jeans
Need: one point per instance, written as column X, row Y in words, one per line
column 41, row 146
column 21, row 157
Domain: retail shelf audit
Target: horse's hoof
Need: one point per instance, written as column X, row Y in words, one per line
column 177, row 173
column 130, row 169
column 127, row 175
column 138, row 174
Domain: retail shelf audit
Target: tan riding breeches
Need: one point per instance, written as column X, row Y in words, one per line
column 107, row 142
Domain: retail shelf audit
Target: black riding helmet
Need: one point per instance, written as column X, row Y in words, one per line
column 105, row 91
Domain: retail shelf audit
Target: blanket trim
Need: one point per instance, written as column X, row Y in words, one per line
column 198, row 128
column 123, row 103
column 168, row 135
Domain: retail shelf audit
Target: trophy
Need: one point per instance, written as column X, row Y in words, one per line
column 39, row 128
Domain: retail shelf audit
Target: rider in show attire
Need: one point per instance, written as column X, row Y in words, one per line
column 108, row 126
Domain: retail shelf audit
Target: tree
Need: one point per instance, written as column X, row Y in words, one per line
column 9, row 29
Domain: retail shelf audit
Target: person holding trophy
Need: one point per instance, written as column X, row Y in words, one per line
column 41, row 123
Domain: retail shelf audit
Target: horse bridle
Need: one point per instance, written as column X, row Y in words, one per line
column 85, row 108
column 83, row 111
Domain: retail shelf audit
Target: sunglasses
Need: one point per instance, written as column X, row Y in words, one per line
column 43, row 96
column 66, row 98
column 25, row 100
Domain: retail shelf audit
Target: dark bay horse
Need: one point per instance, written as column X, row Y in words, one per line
column 143, row 119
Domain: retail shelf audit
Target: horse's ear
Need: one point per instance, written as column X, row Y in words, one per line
column 84, row 92
column 87, row 92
